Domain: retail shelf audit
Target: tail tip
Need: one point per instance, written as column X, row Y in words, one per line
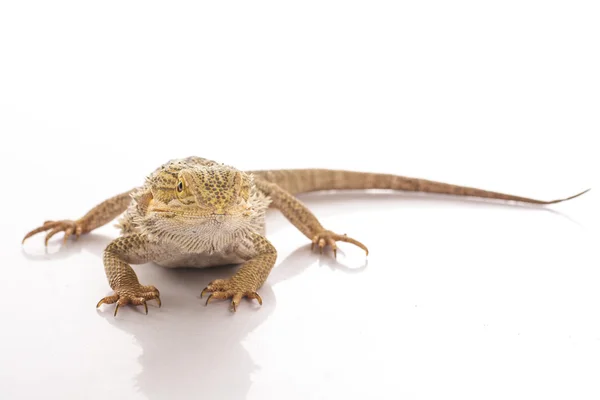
column 577, row 195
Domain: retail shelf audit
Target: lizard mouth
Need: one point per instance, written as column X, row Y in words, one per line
column 162, row 210
column 217, row 216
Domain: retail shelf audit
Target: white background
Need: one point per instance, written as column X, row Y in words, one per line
column 459, row 299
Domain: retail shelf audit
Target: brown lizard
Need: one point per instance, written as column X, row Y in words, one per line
column 195, row 212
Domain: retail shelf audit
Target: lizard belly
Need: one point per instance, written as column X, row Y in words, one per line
column 198, row 260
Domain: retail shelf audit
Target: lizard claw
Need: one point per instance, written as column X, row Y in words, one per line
column 228, row 289
column 137, row 296
column 67, row 226
column 328, row 238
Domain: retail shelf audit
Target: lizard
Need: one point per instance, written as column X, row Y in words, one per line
column 195, row 212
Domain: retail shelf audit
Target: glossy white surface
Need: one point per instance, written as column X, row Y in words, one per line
column 457, row 299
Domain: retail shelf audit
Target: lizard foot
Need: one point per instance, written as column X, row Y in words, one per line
column 325, row 238
column 229, row 289
column 136, row 296
column 67, row 226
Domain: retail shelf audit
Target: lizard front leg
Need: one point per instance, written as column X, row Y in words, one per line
column 134, row 249
column 301, row 217
column 95, row 218
column 251, row 275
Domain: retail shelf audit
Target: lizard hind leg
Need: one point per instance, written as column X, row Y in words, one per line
column 96, row 217
column 67, row 226
column 303, row 219
column 328, row 238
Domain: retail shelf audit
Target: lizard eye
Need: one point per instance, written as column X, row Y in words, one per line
column 180, row 186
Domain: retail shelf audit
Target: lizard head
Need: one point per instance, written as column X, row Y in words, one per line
column 200, row 191
column 197, row 204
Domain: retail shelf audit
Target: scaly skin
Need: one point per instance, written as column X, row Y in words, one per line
column 100, row 215
column 197, row 212
column 249, row 278
column 135, row 249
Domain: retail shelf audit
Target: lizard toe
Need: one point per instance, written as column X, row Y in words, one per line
column 67, row 226
column 224, row 289
column 136, row 296
column 328, row 238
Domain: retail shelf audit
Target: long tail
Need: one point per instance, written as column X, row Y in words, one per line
column 310, row 180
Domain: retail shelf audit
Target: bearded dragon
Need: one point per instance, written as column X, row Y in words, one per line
column 195, row 212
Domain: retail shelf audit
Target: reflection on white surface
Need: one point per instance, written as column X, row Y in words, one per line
column 187, row 349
